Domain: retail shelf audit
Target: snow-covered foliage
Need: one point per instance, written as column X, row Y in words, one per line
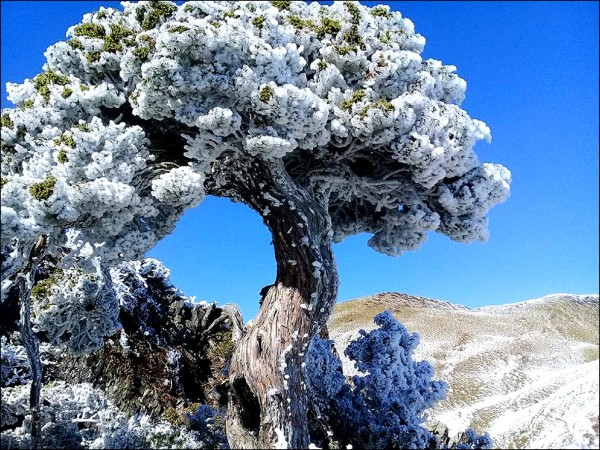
column 385, row 405
column 14, row 367
column 130, row 281
column 79, row 416
column 397, row 390
column 138, row 285
column 134, row 114
column 76, row 309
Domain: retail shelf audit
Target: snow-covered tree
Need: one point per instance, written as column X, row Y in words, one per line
column 324, row 119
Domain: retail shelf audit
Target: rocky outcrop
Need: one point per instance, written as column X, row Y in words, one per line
column 170, row 357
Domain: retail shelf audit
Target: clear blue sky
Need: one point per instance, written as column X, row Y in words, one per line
column 532, row 74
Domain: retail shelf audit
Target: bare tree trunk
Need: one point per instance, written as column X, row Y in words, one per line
column 29, row 338
column 268, row 402
column 31, row 344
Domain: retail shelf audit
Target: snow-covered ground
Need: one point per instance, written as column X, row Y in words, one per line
column 525, row 372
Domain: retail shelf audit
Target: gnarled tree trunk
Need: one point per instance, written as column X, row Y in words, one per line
column 267, row 403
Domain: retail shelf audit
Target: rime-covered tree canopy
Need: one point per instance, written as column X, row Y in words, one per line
column 141, row 113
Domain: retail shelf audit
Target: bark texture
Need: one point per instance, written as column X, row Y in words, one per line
column 268, row 402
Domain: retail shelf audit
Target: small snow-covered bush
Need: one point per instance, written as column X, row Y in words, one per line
column 396, row 390
column 385, row 405
column 470, row 439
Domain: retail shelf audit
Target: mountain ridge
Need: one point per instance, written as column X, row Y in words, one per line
column 383, row 296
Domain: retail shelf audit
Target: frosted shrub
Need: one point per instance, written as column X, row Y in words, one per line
column 14, row 368
column 76, row 309
column 396, row 390
column 470, row 439
column 385, row 405
column 137, row 284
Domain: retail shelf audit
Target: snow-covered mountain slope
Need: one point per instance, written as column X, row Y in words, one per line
column 525, row 372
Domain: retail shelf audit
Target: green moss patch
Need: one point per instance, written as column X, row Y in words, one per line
column 66, row 139
column 356, row 96
column 62, row 156
column 44, row 189
column 329, row 26
column 75, row 44
column 42, row 289
column 90, row 30
column 178, row 29
column 67, row 92
column 354, row 12
column 266, row 94
column 381, row 104
column 281, row 5
column 114, row 41
column 93, row 57
column 7, row 121
column 299, row 23
column 150, row 17
column 352, row 36
column 322, row 65
column 27, row 104
column 43, row 81
column 381, row 11
column 142, row 53
column 344, row 49
column 258, row 22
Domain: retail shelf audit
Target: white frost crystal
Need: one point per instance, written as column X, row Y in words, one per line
column 79, row 416
column 181, row 186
